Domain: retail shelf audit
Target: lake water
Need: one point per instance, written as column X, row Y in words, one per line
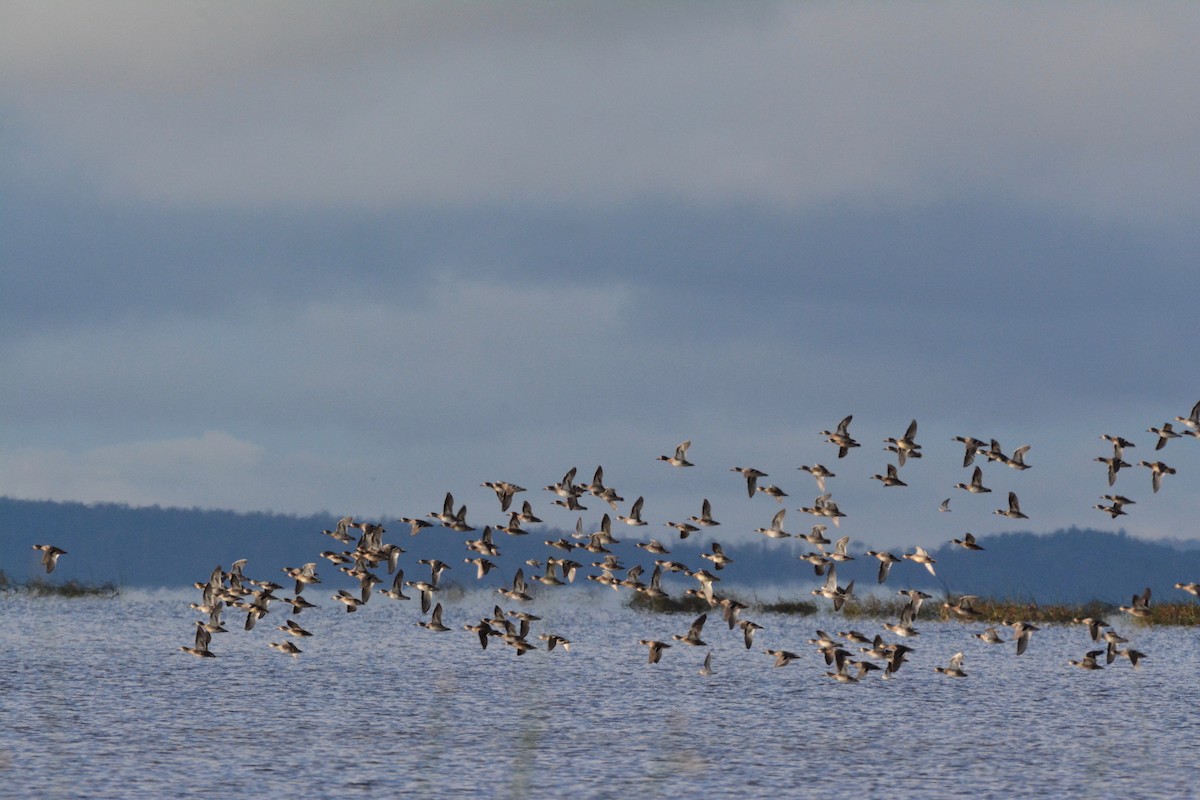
column 98, row 701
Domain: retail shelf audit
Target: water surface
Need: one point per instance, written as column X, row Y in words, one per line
column 100, row 702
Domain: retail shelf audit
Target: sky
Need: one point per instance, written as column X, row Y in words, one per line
column 301, row 257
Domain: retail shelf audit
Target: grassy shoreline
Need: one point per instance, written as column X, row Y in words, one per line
column 40, row 587
column 991, row 612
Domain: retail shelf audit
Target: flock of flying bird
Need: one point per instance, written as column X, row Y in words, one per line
column 225, row 591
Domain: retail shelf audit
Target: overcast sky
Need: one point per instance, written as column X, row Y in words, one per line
column 301, row 256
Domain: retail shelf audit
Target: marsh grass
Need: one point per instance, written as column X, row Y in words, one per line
column 668, row 605
column 695, row 605
column 40, row 587
column 1175, row 614
column 798, row 607
column 992, row 612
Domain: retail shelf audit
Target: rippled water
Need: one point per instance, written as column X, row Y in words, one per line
column 98, row 701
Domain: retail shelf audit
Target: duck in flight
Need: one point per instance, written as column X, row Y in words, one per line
column 841, row 437
column 751, row 475
column 954, row 670
column 1157, row 470
column 906, row 446
column 1167, row 431
column 1191, row 421
column 706, row 518
column 891, row 478
column 976, row 485
column 967, row 542
column 50, row 555
column 680, row 457
column 973, row 447
column 820, row 472
column 655, row 649
column 1014, row 508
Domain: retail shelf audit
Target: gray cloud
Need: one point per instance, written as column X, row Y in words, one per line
column 380, row 106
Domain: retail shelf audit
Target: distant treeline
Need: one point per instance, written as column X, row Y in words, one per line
column 174, row 547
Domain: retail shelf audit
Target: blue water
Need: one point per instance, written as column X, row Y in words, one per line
column 98, row 701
